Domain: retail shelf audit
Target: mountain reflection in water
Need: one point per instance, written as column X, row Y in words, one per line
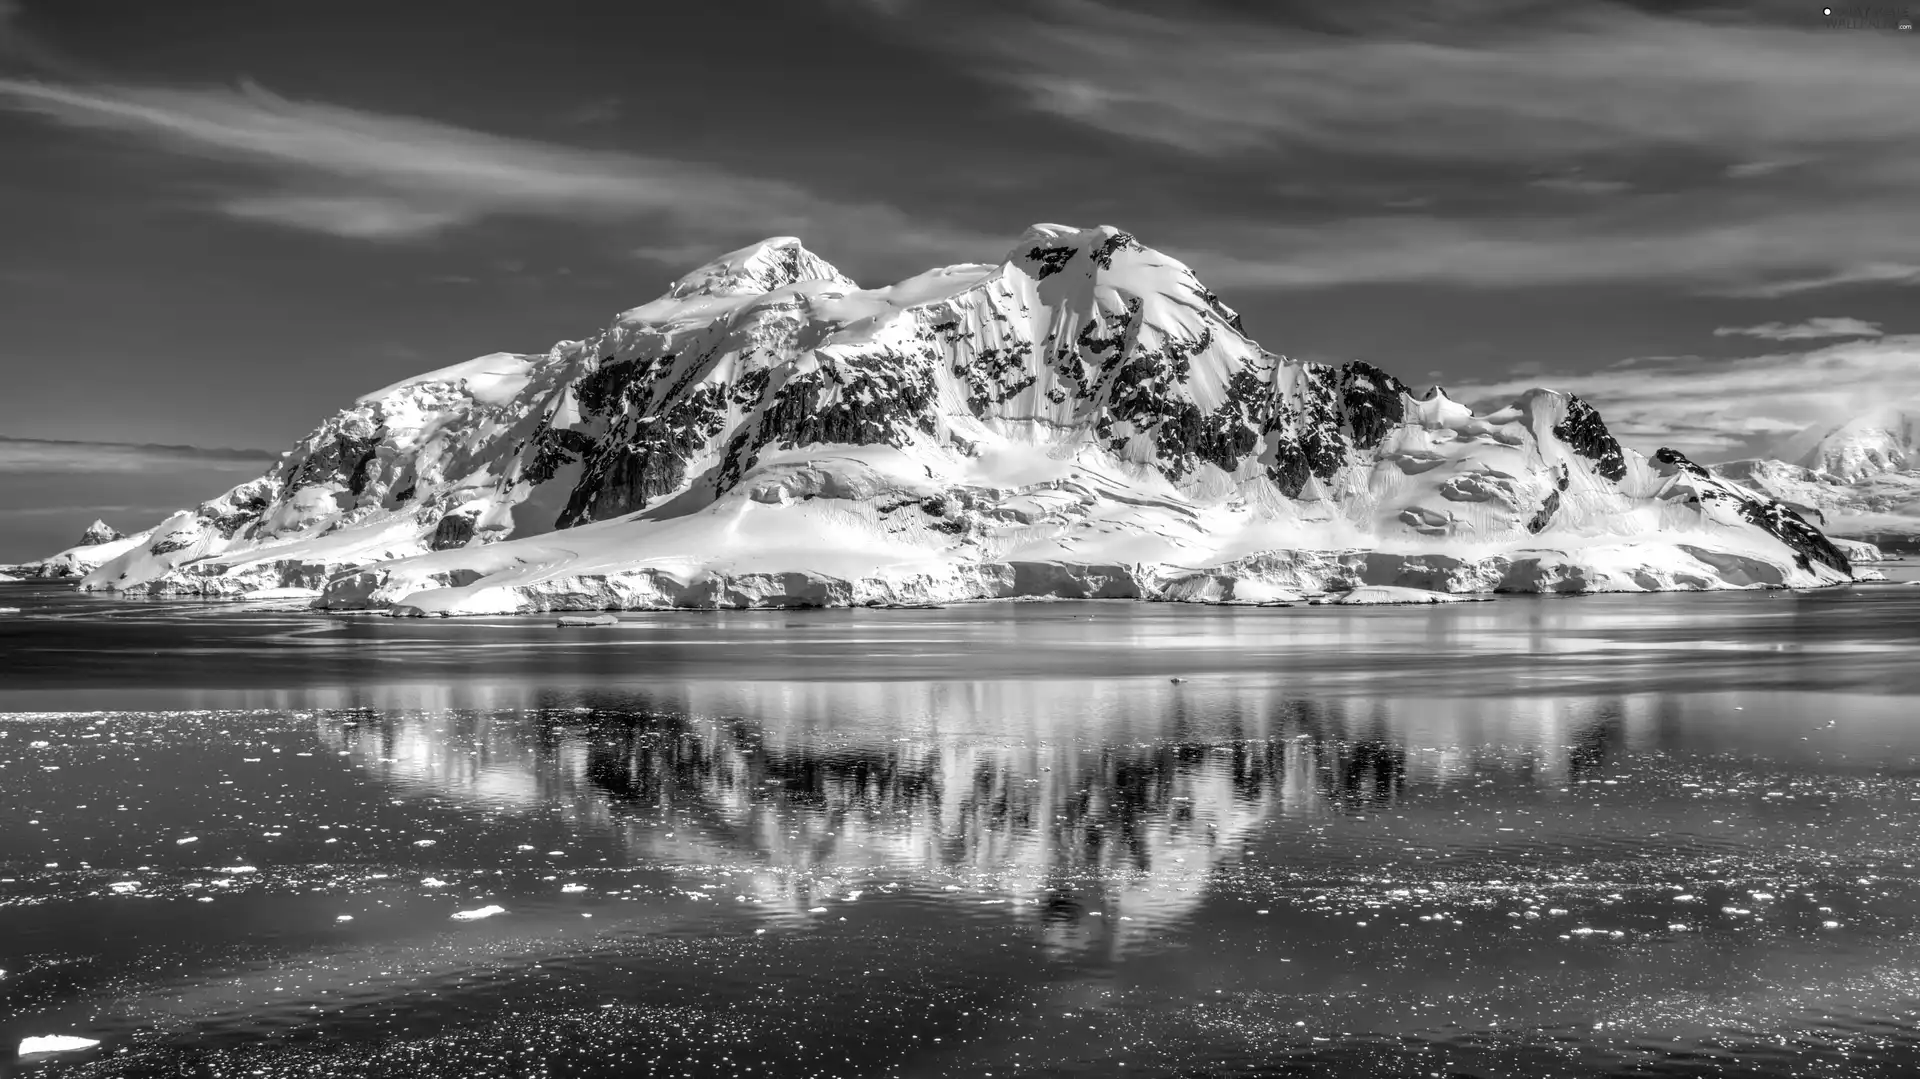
column 1072, row 801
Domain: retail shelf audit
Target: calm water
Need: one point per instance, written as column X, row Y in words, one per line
column 1616, row 835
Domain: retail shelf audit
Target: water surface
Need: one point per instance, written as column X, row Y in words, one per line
column 1609, row 835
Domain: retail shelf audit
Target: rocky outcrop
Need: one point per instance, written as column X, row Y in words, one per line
column 97, row 533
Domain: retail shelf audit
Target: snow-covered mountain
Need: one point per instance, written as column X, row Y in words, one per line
column 1859, row 479
column 1887, row 440
column 1083, row 418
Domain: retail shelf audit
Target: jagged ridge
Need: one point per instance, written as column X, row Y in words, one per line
column 1085, row 402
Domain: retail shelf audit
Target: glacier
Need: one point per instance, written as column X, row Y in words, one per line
column 1082, row 419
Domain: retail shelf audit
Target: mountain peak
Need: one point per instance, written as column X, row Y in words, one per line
column 1047, row 249
column 773, row 263
column 1884, row 440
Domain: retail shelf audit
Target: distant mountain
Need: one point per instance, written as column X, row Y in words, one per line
column 1887, row 440
column 1858, row 479
column 1083, row 418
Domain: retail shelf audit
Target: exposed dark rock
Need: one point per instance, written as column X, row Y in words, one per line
column 345, row 460
column 454, row 530
column 1102, row 255
column 645, row 457
column 244, row 513
column 1373, row 402
column 1586, row 434
column 554, row 448
column 1793, row 530
column 617, row 385
column 177, row 541
column 1304, row 436
column 1676, row 459
column 1052, row 260
column 1545, row 516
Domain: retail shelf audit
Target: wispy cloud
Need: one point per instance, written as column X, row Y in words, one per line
column 1872, row 273
column 1811, row 329
column 57, row 455
column 368, row 175
column 1731, row 148
column 1539, row 81
column 1669, row 248
column 1732, row 408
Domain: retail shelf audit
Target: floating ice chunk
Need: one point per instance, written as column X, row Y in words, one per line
column 816, row 910
column 1829, row 925
column 477, row 914
column 573, row 887
column 343, row 917
column 425, row 842
column 239, row 870
column 433, row 882
column 125, row 886
column 54, row 1043
column 524, row 846
column 184, row 842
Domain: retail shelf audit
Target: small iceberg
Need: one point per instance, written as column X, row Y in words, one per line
column 476, row 915
column 570, row 620
column 55, row 1043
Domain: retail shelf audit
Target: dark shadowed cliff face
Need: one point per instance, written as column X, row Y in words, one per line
column 1584, row 431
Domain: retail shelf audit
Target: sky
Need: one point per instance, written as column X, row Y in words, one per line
column 224, row 220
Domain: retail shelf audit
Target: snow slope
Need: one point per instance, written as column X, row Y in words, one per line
column 1083, row 418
